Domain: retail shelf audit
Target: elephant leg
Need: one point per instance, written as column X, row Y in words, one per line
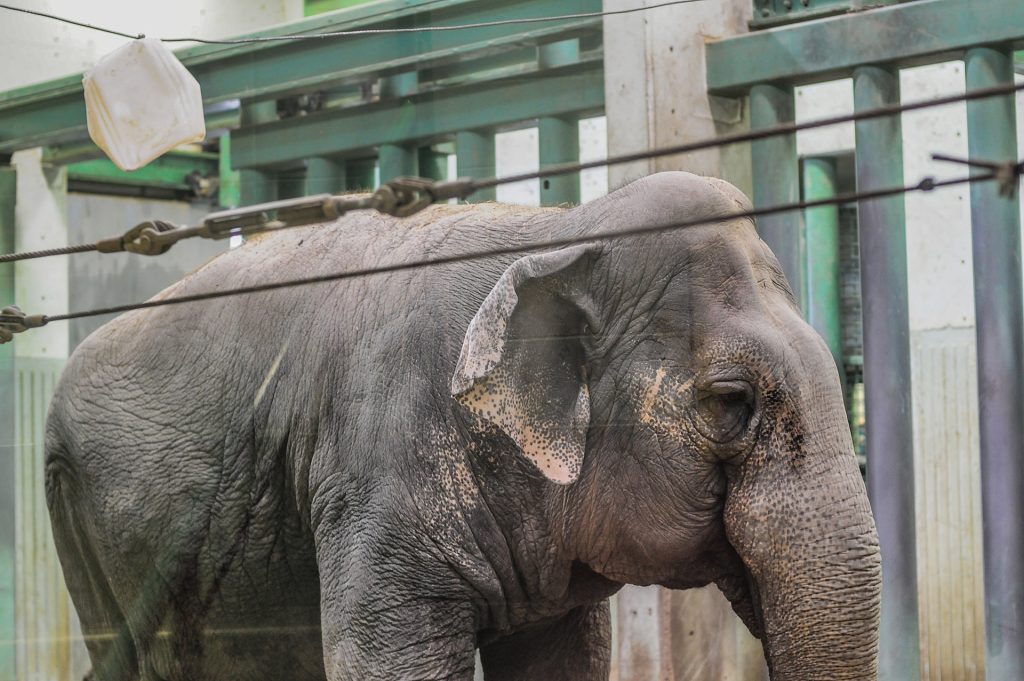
column 576, row 647
column 382, row 620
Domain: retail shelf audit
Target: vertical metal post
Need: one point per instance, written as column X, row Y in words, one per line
column 776, row 177
column 822, row 239
column 888, row 425
column 433, row 164
column 396, row 160
column 995, row 225
column 256, row 186
column 324, row 176
column 229, row 192
column 559, row 140
column 475, row 157
column 8, row 478
column 361, row 174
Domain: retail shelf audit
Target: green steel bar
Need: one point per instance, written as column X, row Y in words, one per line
column 168, row 171
column 995, row 228
column 887, row 399
column 433, row 164
column 824, row 307
column 256, row 187
column 399, row 85
column 7, row 443
column 325, row 176
column 559, row 142
column 559, row 53
column 54, row 112
column 229, row 194
column 475, row 157
column 776, row 174
column 361, row 174
column 397, row 160
column 907, row 34
column 570, row 90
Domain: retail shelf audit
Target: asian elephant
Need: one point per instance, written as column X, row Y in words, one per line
column 375, row 477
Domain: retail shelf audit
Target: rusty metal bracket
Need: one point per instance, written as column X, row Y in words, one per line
column 1007, row 173
column 13, row 320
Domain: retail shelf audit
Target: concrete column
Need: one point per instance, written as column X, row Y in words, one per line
column 475, row 157
column 324, row 176
column 776, row 178
column 654, row 88
column 887, row 393
column 995, row 227
column 654, row 97
column 559, row 142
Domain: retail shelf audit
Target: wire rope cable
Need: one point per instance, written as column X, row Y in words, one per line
column 926, row 185
column 361, row 31
column 688, row 147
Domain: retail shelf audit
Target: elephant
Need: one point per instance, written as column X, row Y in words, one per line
column 377, row 477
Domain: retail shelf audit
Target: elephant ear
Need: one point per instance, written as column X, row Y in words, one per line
column 521, row 366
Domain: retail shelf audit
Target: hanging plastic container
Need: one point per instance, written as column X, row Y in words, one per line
column 142, row 102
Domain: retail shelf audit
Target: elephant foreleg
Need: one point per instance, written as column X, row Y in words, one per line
column 573, row 648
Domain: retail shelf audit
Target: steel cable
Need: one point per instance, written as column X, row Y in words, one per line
column 928, row 184
column 362, row 31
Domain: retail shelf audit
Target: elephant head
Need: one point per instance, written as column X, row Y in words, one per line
column 695, row 421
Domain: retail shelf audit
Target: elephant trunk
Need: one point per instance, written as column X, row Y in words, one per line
column 805, row 533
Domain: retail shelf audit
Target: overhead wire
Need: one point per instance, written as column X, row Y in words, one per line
column 925, row 185
column 361, row 31
column 688, row 147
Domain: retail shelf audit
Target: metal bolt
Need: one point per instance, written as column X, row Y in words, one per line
column 788, row 4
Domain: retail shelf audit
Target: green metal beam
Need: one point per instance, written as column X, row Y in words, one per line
column 54, row 112
column 167, row 172
column 910, row 34
column 824, row 299
column 572, row 90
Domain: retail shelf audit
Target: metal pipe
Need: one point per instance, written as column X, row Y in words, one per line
column 777, row 180
column 822, row 239
column 888, row 424
column 995, row 228
column 324, row 176
column 397, row 161
column 475, row 157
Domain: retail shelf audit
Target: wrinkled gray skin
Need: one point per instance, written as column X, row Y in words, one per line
column 282, row 486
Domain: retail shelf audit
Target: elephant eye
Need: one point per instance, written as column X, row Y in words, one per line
column 725, row 408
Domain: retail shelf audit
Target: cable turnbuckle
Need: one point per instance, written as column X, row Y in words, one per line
column 405, row 196
column 13, row 320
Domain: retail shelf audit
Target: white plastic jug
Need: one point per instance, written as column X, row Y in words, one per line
column 142, row 102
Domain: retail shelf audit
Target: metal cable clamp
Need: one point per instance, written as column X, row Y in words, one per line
column 13, row 320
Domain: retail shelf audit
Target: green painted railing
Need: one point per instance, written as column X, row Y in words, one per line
column 314, row 112
column 870, row 47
